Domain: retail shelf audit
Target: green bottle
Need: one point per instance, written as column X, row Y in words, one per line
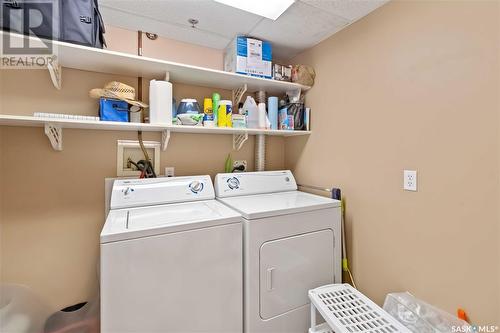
column 215, row 106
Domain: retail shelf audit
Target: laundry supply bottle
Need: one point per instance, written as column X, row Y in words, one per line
column 215, row 106
column 208, row 117
column 250, row 108
column 226, row 111
column 263, row 121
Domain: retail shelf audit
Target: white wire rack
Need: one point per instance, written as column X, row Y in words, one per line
column 346, row 310
column 321, row 328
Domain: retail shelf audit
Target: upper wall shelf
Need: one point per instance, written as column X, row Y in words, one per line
column 111, row 62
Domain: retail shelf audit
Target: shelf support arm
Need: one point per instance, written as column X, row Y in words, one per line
column 165, row 138
column 238, row 95
column 55, row 71
column 54, row 133
column 239, row 140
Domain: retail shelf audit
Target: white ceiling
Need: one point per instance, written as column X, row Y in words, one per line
column 303, row 25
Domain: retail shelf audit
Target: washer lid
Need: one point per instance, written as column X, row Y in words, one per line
column 273, row 204
column 123, row 224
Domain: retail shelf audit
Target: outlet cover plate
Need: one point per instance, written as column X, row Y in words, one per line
column 239, row 163
column 169, row 171
column 410, row 180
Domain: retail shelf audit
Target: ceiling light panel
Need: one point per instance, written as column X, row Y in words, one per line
column 266, row 8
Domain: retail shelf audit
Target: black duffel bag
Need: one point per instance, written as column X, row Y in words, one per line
column 72, row 21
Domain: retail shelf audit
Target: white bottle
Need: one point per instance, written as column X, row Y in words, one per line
column 263, row 121
column 251, row 109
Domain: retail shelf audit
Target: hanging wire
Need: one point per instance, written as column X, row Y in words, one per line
column 345, row 261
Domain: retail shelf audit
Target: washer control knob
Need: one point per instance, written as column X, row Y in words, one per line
column 233, row 183
column 196, row 186
column 127, row 191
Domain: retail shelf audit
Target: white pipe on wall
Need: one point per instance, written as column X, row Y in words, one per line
column 260, row 152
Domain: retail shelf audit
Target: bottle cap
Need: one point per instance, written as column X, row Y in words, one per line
column 207, row 104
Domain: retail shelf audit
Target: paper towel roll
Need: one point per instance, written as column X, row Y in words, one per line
column 272, row 111
column 160, row 102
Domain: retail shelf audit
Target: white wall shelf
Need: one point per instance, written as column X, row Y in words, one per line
column 59, row 124
column 29, row 121
column 111, row 62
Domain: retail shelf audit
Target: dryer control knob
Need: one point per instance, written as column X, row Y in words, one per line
column 196, row 186
column 233, row 183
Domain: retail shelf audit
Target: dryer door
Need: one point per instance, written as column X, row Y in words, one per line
column 290, row 266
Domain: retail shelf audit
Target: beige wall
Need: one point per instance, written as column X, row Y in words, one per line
column 415, row 85
column 164, row 48
column 1, row 196
column 52, row 203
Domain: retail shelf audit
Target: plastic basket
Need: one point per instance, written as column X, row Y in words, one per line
column 346, row 310
column 421, row 317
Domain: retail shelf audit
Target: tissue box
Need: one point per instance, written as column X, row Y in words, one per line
column 113, row 110
column 239, row 120
column 249, row 56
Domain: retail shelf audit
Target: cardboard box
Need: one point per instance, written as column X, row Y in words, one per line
column 249, row 56
column 282, row 72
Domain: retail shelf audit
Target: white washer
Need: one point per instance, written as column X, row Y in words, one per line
column 291, row 242
column 171, row 259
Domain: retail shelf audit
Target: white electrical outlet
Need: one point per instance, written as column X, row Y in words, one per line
column 410, row 180
column 169, row 172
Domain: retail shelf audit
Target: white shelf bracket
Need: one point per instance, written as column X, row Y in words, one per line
column 165, row 138
column 54, row 133
column 167, row 76
column 239, row 140
column 238, row 95
column 55, row 71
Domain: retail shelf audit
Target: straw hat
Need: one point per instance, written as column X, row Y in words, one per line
column 117, row 90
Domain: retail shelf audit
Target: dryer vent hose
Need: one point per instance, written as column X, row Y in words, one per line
column 260, row 152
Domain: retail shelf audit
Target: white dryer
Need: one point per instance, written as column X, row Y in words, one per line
column 171, row 259
column 292, row 243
